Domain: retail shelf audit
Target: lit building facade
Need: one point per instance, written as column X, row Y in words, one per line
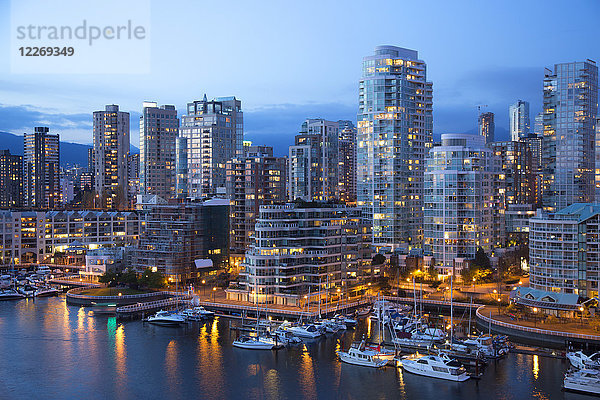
column 11, row 180
column 254, row 180
column 159, row 128
column 303, row 249
column 314, row 162
column 487, row 126
column 179, row 235
column 564, row 250
column 41, row 164
column 519, row 123
column 516, row 177
column 111, row 148
column 459, row 200
column 213, row 134
column 347, row 162
column 395, row 126
column 568, row 151
column 30, row 236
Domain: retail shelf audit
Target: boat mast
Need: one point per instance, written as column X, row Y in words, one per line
column 451, row 311
column 414, row 295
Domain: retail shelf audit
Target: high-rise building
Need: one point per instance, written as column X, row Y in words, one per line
column 538, row 125
column 181, row 239
column 459, row 200
column 564, row 250
column 517, row 179
column 395, row 128
column 11, row 180
column 214, row 133
column 487, row 127
column 133, row 178
column 597, row 163
column 303, row 253
column 314, row 165
column 347, row 162
column 253, row 180
column 568, row 151
column 42, row 168
column 159, row 128
column 90, row 162
column 111, row 148
column 518, row 114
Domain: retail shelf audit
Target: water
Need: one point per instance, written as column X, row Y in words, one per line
column 49, row 350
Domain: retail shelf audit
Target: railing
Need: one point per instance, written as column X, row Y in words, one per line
column 73, row 294
column 77, row 283
column 535, row 330
column 153, row 304
column 432, row 302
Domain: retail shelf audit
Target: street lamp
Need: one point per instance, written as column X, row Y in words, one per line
column 581, row 309
column 214, row 292
column 535, row 310
column 204, row 287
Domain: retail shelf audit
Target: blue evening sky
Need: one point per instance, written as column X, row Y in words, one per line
column 288, row 61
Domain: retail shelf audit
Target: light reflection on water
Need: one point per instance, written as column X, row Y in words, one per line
column 78, row 355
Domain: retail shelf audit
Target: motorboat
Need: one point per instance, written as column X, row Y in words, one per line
column 256, row 343
column 407, row 324
column 363, row 312
column 431, row 334
column 285, row 337
column 203, row 312
column 381, row 351
column 580, row 360
column 333, row 325
column 485, row 345
column 410, row 343
column 583, row 380
column 358, row 355
column 27, row 290
column 166, row 318
column 46, row 292
column 440, row 366
column 305, row 331
column 345, row 320
column 191, row 315
column 10, row 294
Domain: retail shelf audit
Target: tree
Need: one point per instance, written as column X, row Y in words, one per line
column 129, row 278
column 481, row 259
column 151, row 279
column 378, row 259
column 109, row 277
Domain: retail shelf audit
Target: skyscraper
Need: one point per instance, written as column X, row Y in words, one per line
column 111, row 148
column 314, row 165
column 347, row 162
column 459, row 200
column 395, row 125
column 11, row 180
column 487, row 127
column 568, row 151
column 41, row 166
column 518, row 114
column 254, row 179
column 214, row 131
column 159, row 127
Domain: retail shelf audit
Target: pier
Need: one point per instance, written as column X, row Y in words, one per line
column 139, row 310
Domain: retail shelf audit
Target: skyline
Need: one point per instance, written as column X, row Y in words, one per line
column 302, row 73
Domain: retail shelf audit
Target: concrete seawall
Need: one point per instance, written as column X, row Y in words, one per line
column 76, row 299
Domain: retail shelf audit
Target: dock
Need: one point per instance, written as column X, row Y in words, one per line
column 140, row 310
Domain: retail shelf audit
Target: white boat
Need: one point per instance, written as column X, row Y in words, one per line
column 191, row 315
column 305, row 331
column 204, row 312
column 580, row 360
column 10, row 294
column 166, row 318
column 440, row 366
column 345, row 320
column 256, row 343
column 431, row 334
column 285, row 337
column 46, row 292
column 484, row 345
column 407, row 324
column 357, row 356
column 583, row 380
column 380, row 351
column 27, row 290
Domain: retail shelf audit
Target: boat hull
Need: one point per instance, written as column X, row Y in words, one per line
column 163, row 322
column 577, row 387
column 363, row 363
column 413, row 368
column 253, row 345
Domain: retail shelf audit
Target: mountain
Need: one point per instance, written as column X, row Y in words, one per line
column 70, row 153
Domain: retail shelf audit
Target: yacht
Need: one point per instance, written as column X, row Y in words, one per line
column 203, row 312
column 46, row 292
column 345, row 320
column 583, row 380
column 256, row 343
column 580, row 360
column 407, row 324
column 285, row 337
column 10, row 294
column 27, row 290
column 305, row 331
column 166, row 318
column 431, row 334
column 191, row 315
column 358, row 355
column 440, row 366
column 484, row 345
column 382, row 352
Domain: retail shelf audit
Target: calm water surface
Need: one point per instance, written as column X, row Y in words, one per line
column 49, row 350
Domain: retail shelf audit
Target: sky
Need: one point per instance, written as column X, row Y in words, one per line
column 288, row 61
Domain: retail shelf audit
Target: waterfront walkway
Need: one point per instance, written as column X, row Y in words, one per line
column 567, row 330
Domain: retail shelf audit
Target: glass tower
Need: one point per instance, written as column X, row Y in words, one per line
column 395, row 125
column 519, row 120
column 568, row 151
